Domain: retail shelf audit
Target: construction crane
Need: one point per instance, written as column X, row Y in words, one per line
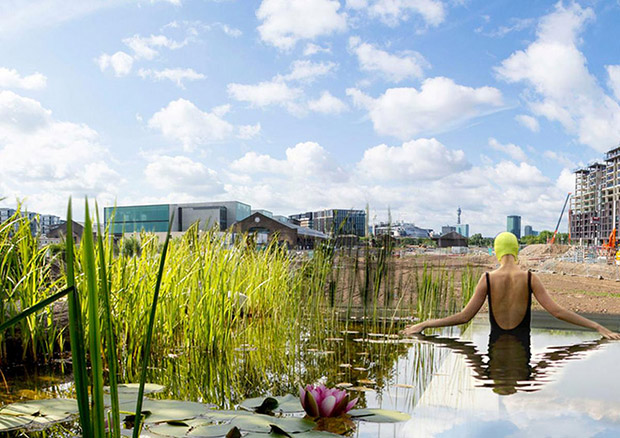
column 560, row 219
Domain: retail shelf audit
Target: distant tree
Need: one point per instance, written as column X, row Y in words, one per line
column 476, row 240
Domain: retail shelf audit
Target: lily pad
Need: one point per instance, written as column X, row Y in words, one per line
column 286, row 404
column 209, row 431
column 51, row 406
column 225, row 415
column 12, row 422
column 379, row 415
column 162, row 411
column 294, row 424
column 309, row 434
column 262, row 423
column 132, row 388
column 169, row 430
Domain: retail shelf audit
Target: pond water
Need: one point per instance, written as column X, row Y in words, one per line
column 562, row 383
column 569, row 389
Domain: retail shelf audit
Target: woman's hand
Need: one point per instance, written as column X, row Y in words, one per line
column 413, row 329
column 608, row 334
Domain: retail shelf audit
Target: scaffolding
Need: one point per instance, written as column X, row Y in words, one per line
column 595, row 205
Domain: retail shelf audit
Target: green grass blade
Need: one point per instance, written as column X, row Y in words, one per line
column 76, row 332
column 88, row 259
column 149, row 334
column 109, row 334
column 33, row 309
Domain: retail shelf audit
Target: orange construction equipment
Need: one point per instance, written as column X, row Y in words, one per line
column 610, row 246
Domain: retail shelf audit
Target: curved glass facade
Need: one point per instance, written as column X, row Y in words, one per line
column 137, row 218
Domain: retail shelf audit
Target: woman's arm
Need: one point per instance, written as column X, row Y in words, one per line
column 560, row 312
column 474, row 305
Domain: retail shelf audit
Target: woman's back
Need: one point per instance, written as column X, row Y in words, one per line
column 509, row 297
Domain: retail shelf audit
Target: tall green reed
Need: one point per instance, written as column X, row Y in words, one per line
column 27, row 277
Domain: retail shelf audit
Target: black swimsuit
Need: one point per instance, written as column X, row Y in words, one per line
column 524, row 326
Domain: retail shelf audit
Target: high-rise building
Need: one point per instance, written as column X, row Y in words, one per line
column 594, row 210
column 513, row 225
column 156, row 218
column 462, row 229
column 334, row 221
column 445, row 229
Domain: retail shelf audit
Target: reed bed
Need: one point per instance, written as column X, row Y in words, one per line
column 232, row 320
column 26, row 277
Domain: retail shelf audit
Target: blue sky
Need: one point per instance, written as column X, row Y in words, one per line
column 416, row 106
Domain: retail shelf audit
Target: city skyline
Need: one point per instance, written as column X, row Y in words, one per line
column 414, row 108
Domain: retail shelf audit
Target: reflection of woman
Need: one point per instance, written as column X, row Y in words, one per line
column 509, row 290
column 508, row 368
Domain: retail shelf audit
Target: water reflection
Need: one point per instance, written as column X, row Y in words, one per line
column 508, row 367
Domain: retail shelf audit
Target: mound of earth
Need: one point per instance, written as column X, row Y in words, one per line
column 543, row 250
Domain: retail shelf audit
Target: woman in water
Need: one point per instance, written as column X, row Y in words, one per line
column 509, row 290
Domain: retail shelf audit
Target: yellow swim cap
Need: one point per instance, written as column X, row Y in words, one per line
column 506, row 243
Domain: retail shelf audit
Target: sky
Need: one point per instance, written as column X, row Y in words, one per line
column 411, row 108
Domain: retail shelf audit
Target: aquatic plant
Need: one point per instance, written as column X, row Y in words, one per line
column 320, row 401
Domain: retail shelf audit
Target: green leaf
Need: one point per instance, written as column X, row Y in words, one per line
column 286, row 404
column 51, row 406
column 166, row 429
column 225, row 415
column 276, row 430
column 267, row 406
column 133, row 388
column 212, row 430
column 11, row 422
column 172, row 410
column 294, row 424
column 234, row 433
column 379, row 415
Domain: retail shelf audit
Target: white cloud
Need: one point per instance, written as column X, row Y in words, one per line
column 176, row 75
column 274, row 92
column 313, row 49
column 303, row 161
column 120, row 62
column 392, row 12
column 512, row 150
column 184, row 122
column 529, row 122
column 247, row 132
column 560, row 158
column 48, row 159
column 284, row 22
column 566, row 180
column 509, row 174
column 229, row 30
column 10, row 78
column 146, row 47
column 415, row 160
column 327, row 104
column 181, row 174
column 561, row 87
column 308, row 71
column 517, row 25
column 614, row 79
column 439, row 104
column 394, row 67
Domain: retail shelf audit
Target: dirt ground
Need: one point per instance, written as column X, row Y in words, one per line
column 580, row 287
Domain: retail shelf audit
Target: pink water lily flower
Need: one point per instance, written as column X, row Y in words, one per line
column 320, row 401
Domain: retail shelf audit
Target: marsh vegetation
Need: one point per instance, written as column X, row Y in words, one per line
column 228, row 320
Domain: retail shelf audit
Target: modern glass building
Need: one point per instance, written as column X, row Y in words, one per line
column 156, row 218
column 334, row 221
column 513, row 225
column 462, row 229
